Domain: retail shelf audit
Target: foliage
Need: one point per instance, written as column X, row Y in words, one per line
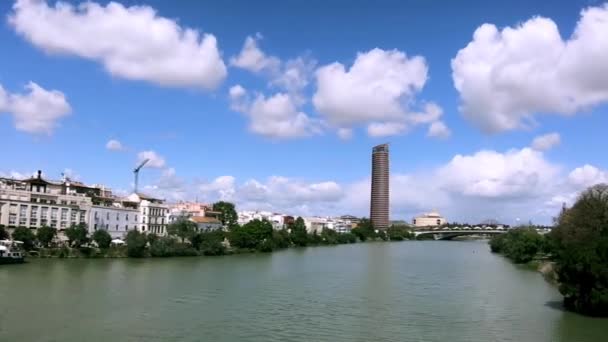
column 136, row 244
column 228, row 214
column 329, row 236
column 77, row 235
column 519, row 244
column 151, row 238
column 4, row 235
column 298, row 234
column 364, row 230
column 250, row 235
column 45, row 235
column 184, row 229
column 580, row 243
column 102, row 238
column 209, row 242
column 382, row 234
column 346, row 238
column 281, row 239
column 398, row 233
column 25, row 235
column 314, row 239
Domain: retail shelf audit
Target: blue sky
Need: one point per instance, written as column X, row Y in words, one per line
column 208, row 140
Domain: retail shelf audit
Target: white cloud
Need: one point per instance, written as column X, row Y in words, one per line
column 221, row 188
column 587, row 175
column 131, row 42
column 252, row 58
column 276, row 117
column 345, row 133
column 506, row 77
column 38, row 111
column 155, row 160
column 378, row 90
column 168, row 186
column 438, row 129
column 16, row 174
column 546, row 142
column 114, row 145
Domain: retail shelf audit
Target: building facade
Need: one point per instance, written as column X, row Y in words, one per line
column 379, row 204
column 431, row 219
column 115, row 220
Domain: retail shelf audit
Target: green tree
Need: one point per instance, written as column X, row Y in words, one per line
column 77, row 235
column 364, row 230
column 398, row 233
column 45, row 235
column 519, row 244
column 4, row 235
column 346, row 238
column 102, row 238
column 184, row 229
column 24, row 235
column 136, row 244
column 251, row 235
column 281, row 238
column 329, row 236
column 298, row 234
column 228, row 214
column 212, row 242
column 580, row 243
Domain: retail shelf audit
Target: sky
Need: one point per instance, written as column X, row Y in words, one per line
column 493, row 110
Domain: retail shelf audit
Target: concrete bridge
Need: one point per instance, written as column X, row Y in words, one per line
column 449, row 234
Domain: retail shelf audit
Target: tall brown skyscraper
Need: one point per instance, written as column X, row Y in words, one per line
column 379, row 208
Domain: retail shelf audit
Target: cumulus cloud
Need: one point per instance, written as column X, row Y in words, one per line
column 438, row 129
column 37, row 111
column 154, row 159
column 546, row 142
column 275, row 117
column 114, row 145
column 168, row 186
column 587, row 175
column 377, row 90
column 252, row 58
column 506, row 76
column 134, row 42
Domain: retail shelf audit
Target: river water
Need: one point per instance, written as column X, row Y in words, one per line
column 401, row 291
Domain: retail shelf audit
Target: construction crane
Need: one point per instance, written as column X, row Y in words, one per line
column 136, row 172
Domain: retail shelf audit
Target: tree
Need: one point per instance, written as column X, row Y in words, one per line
column 136, row 244
column 77, row 235
column 398, row 233
column 251, row 235
column 364, row 230
column 519, row 244
column 298, row 234
column 580, row 243
column 183, row 228
column 24, row 235
column 211, row 242
column 228, row 214
column 4, row 235
column 102, row 238
column 45, row 235
column 281, row 238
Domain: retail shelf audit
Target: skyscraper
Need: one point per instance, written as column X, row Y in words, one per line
column 379, row 208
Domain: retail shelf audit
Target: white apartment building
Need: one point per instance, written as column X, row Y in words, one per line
column 153, row 213
column 36, row 202
column 116, row 220
column 277, row 220
column 317, row 224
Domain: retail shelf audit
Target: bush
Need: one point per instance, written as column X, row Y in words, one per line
column 3, row 233
column 77, row 235
column 250, row 235
column 281, row 239
column 347, row 238
column 45, row 235
column 520, row 244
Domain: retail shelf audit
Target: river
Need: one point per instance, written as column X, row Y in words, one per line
column 400, row 291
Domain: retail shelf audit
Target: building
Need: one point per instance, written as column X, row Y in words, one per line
column 431, row 219
column 379, row 204
column 153, row 213
column 277, row 220
column 206, row 223
column 37, row 202
column 185, row 210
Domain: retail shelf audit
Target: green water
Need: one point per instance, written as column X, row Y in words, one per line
column 402, row 291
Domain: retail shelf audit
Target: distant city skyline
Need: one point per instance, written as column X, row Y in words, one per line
column 494, row 110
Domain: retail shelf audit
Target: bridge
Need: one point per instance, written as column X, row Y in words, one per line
column 449, row 234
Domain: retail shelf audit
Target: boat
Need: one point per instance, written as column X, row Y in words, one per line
column 10, row 252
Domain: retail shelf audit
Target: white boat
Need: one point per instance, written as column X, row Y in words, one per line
column 10, row 252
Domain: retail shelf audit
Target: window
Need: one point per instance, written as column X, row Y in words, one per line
column 127, row 227
column 33, row 221
column 12, row 219
column 23, row 210
column 54, row 213
column 116, row 227
column 73, row 216
column 64, row 202
column 82, row 214
column 64, row 214
column 63, row 224
column 107, row 215
column 44, row 212
column 117, row 218
column 127, row 217
column 107, row 226
column 95, row 226
column 135, row 218
column 96, row 214
column 34, row 211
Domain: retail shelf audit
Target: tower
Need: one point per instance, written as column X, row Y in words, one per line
column 379, row 204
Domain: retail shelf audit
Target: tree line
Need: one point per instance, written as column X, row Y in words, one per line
column 578, row 245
